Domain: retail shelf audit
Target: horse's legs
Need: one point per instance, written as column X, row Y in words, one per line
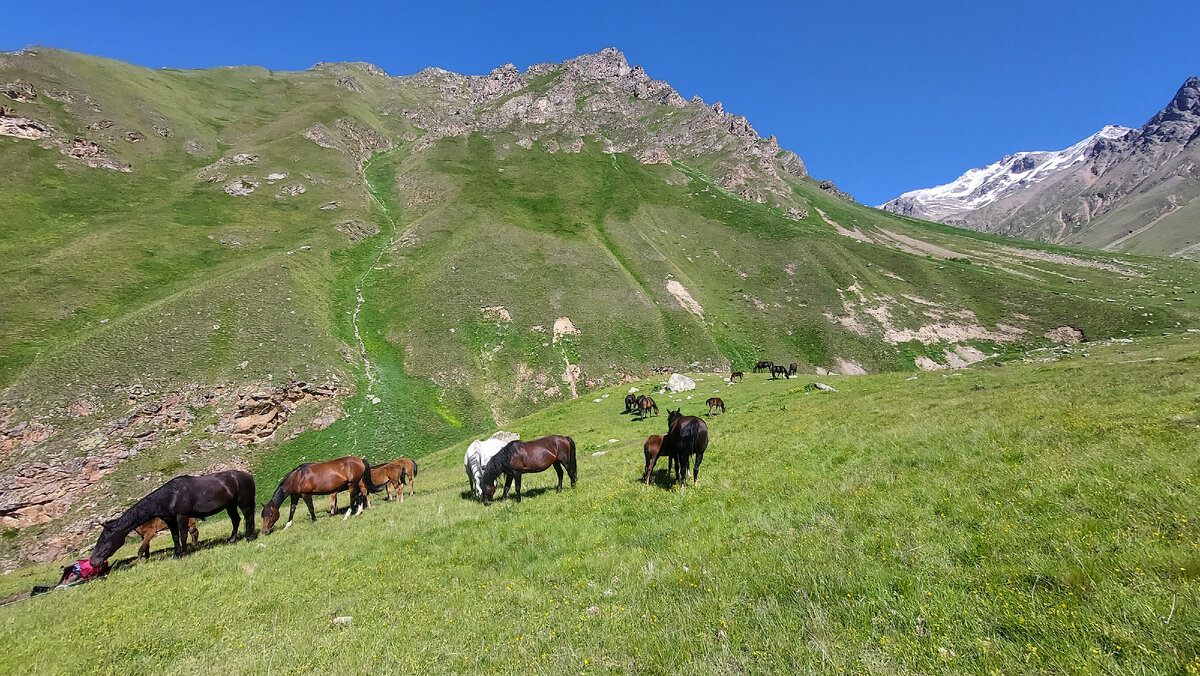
column 333, row 504
column 508, row 480
column 470, row 477
column 173, row 525
column 518, row 488
column 144, row 550
column 248, row 514
column 292, row 513
column 181, row 533
column 651, row 461
column 696, row 468
column 195, row 532
column 236, row 519
column 559, row 468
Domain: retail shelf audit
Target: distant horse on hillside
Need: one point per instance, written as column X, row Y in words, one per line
column 320, row 478
column 652, row 450
column 631, row 401
column 686, row 436
column 736, row 375
column 777, row 371
column 793, row 368
column 715, row 403
column 763, row 366
column 525, row 457
column 153, row 527
column 176, row 503
column 645, row 406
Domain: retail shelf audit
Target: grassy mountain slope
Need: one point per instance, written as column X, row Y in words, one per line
column 862, row 530
column 452, row 259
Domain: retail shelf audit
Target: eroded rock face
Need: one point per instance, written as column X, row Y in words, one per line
column 1065, row 335
column 20, row 91
column 261, row 411
column 349, row 83
column 12, row 124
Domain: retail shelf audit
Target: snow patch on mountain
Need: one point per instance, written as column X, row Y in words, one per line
column 979, row 187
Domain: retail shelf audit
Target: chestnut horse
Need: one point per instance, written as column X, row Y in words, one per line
column 176, row 503
column 645, row 405
column 736, row 375
column 652, row 449
column 686, row 436
column 527, row 457
column 155, row 526
column 320, row 478
column 387, row 477
column 715, row 403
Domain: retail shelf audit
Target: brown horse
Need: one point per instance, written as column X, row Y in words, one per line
column 526, row 457
column 652, row 450
column 320, row 478
column 410, row 475
column 155, row 526
column 777, row 371
column 763, row 365
column 715, row 403
column 686, row 436
column 645, row 405
column 793, row 368
column 387, row 477
column 736, row 375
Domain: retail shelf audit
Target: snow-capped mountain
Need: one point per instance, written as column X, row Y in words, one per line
column 980, row 187
column 1120, row 189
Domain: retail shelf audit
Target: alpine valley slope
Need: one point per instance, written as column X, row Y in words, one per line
column 1121, row 189
column 239, row 267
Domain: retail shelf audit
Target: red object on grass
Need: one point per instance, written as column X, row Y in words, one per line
column 82, row 570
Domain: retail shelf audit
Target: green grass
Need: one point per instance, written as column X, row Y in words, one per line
column 1035, row 518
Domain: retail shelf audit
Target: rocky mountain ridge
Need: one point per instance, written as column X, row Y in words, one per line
column 1120, row 189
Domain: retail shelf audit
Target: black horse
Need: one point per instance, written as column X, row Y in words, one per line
column 686, row 436
column 777, row 371
column 763, row 366
column 177, row 501
column 631, row 401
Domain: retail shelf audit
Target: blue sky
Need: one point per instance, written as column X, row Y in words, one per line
column 881, row 97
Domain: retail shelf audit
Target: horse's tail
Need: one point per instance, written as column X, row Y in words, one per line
column 687, row 440
column 572, row 467
column 415, row 469
column 366, row 477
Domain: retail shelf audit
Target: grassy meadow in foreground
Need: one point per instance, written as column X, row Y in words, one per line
column 1030, row 518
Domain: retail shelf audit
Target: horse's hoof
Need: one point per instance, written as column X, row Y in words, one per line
column 287, row 525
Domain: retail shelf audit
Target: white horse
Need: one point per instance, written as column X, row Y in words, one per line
column 480, row 452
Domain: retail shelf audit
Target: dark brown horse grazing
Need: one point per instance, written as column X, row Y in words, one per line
column 178, row 501
column 653, row 450
column 687, row 436
column 410, row 475
column 777, row 371
column 793, row 368
column 715, row 403
column 320, row 478
column 526, row 457
column 155, row 526
column 631, row 401
column 763, row 365
column 645, row 405
column 738, row 375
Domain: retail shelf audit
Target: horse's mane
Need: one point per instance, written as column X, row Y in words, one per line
column 499, row 462
column 145, row 509
column 278, row 496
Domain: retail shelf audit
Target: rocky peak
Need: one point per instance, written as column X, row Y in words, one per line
column 607, row 64
column 1179, row 121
